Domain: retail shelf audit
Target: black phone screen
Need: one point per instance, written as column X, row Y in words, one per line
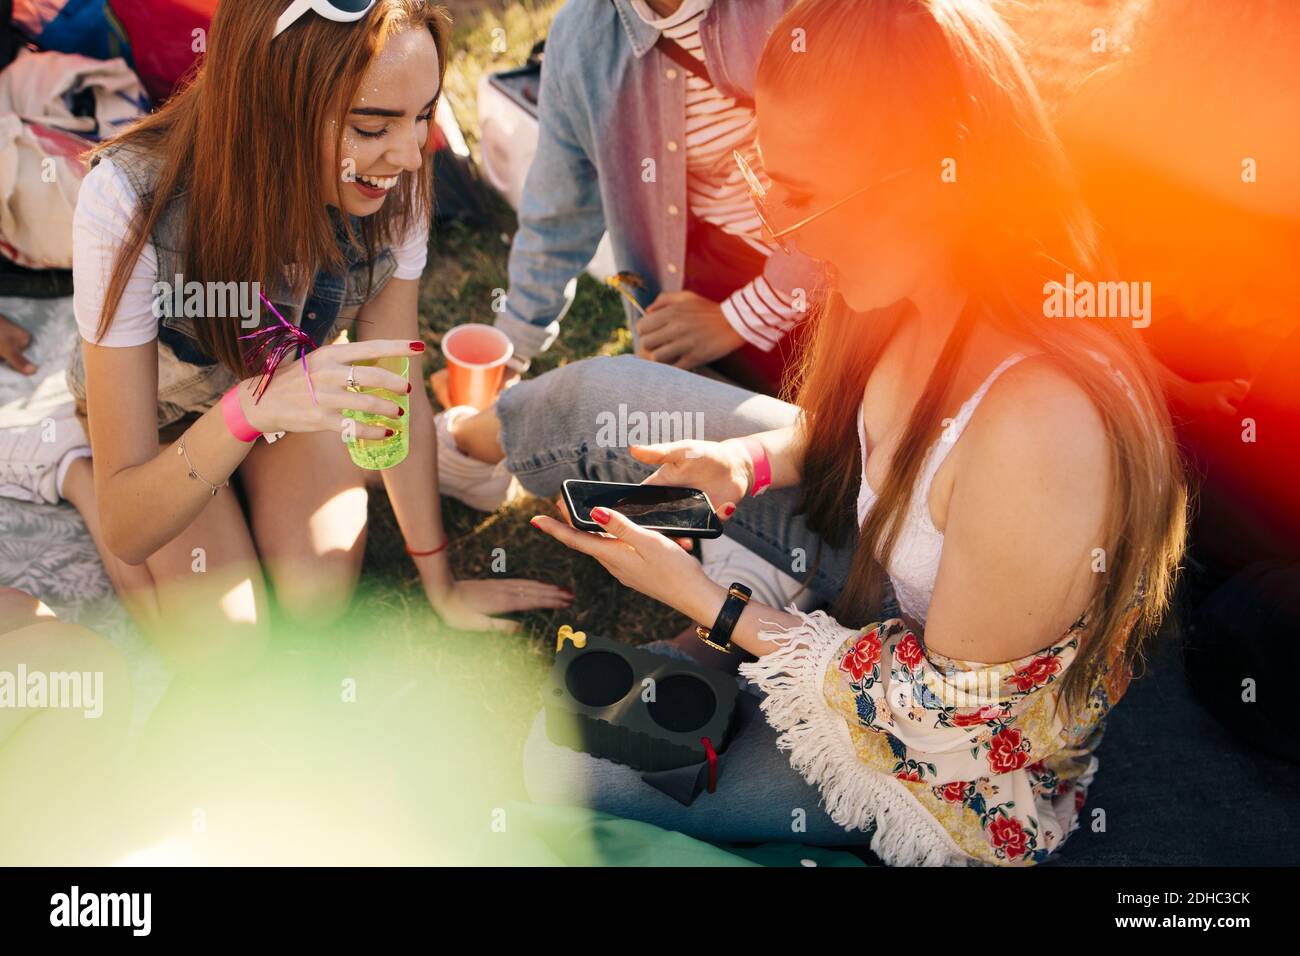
column 653, row 506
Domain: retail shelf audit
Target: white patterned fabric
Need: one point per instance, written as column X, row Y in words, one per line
column 46, row 550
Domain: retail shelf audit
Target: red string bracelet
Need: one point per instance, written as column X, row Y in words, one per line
column 425, row 554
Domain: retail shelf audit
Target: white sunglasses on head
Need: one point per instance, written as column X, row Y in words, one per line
column 340, row 11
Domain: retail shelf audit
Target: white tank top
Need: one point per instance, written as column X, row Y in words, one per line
column 914, row 565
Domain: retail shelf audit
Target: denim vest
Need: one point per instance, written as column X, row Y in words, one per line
column 189, row 380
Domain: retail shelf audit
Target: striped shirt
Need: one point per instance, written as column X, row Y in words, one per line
column 716, row 191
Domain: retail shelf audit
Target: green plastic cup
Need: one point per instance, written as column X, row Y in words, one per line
column 378, row 454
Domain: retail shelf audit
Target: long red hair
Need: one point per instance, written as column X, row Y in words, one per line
column 240, row 142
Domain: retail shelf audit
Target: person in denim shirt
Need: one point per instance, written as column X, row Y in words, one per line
column 612, row 155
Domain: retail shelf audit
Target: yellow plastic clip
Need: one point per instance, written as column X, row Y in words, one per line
column 567, row 633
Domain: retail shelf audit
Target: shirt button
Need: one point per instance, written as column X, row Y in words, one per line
column 670, row 73
column 672, row 209
column 311, row 315
column 672, row 145
column 672, row 269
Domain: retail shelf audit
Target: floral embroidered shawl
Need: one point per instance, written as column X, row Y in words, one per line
column 954, row 762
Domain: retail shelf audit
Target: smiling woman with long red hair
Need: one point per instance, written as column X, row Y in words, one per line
column 295, row 162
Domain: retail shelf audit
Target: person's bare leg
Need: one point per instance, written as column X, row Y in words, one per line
column 480, row 436
column 311, row 541
column 40, row 642
column 18, row 609
column 212, row 598
column 201, row 597
column 58, row 758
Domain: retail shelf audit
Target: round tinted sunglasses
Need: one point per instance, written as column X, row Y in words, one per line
column 758, row 194
column 340, row 11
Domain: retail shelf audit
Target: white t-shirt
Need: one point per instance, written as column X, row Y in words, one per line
column 100, row 227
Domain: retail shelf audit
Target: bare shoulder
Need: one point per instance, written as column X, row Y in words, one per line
column 1039, row 416
column 1028, row 507
column 1036, row 457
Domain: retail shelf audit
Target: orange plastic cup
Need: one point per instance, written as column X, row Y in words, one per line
column 476, row 363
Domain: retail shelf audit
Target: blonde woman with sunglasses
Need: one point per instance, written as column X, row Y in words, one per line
column 987, row 500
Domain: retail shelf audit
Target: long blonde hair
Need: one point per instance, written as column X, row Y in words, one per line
column 942, row 78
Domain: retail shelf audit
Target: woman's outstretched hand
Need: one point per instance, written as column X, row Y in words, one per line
column 640, row 559
column 470, row 605
column 287, row 405
column 719, row 469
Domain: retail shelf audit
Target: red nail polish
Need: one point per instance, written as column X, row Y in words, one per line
column 728, row 511
column 600, row 516
column 408, row 388
column 417, row 346
column 401, row 411
column 533, row 522
column 389, row 433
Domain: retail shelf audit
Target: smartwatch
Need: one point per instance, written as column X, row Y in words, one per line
column 718, row 636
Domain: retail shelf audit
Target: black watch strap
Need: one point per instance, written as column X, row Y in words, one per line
column 718, row 636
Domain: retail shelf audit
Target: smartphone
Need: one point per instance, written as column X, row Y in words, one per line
column 675, row 511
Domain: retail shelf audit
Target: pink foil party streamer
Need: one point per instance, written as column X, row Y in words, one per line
column 276, row 342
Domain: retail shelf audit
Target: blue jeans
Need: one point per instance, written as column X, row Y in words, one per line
column 760, row 798
column 551, row 429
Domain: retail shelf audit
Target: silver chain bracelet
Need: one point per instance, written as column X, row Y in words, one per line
column 180, row 450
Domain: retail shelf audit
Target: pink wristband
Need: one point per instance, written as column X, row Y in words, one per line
column 234, row 416
column 762, row 467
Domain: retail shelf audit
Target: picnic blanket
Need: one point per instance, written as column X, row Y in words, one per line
column 46, row 550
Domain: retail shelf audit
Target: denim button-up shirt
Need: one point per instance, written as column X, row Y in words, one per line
column 608, row 104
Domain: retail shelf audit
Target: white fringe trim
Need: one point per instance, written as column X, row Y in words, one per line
column 817, row 738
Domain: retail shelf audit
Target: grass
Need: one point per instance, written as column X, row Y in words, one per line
column 488, row 36
column 466, row 266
